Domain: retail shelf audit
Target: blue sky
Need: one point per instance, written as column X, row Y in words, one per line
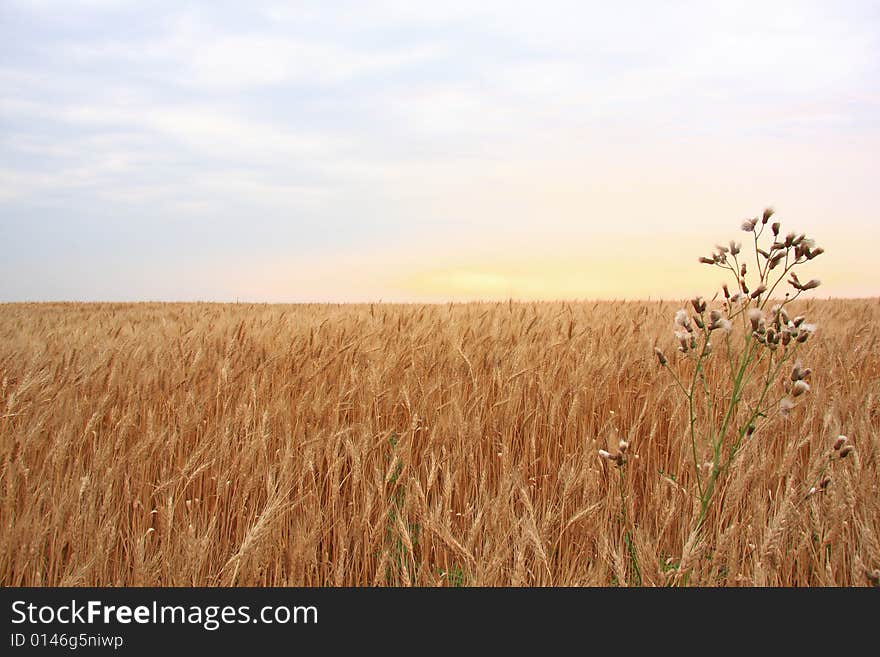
column 427, row 151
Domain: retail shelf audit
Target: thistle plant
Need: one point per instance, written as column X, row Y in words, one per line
column 737, row 363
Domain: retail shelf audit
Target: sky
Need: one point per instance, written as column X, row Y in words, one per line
column 428, row 151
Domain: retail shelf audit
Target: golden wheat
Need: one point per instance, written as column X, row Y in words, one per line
column 203, row 444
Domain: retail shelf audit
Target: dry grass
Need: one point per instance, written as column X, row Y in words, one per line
column 164, row 444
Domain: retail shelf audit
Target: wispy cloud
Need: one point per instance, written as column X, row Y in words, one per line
column 334, row 130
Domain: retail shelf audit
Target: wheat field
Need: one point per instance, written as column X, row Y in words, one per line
column 440, row 445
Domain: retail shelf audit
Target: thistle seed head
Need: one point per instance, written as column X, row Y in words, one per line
column 845, row 451
column 799, row 388
column 749, row 225
column 839, row 442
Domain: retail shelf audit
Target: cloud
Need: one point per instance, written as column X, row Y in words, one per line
column 432, row 127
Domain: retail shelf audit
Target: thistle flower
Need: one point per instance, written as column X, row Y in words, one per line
column 840, row 442
column 623, row 446
column 786, row 338
column 698, row 304
column 806, row 330
column 707, row 261
column 717, row 321
column 615, row 458
column 682, row 337
column 682, row 320
column 785, row 406
column 799, row 388
column 782, row 314
column 660, row 356
column 767, row 214
column 758, row 291
column 776, row 259
column 798, row 372
column 756, row 317
column 749, row 225
column 775, row 228
column 809, row 285
column 846, row 451
column 735, row 247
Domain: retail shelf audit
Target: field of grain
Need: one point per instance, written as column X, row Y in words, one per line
column 450, row 445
